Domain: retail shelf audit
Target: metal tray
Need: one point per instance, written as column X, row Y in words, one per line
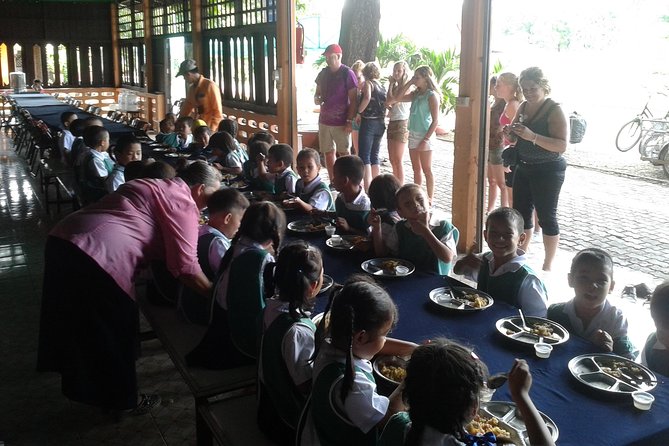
column 380, row 267
column 611, row 373
column 381, row 361
column 327, row 283
column 442, row 297
column 348, row 242
column 511, row 420
column 510, row 327
column 308, row 226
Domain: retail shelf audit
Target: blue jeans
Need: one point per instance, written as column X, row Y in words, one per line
column 369, row 139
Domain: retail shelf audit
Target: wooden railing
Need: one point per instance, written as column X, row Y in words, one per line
column 250, row 122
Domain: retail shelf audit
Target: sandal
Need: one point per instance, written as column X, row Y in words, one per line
column 148, row 401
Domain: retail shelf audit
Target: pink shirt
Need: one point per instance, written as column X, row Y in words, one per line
column 143, row 220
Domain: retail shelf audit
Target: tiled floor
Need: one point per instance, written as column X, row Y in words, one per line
column 32, row 410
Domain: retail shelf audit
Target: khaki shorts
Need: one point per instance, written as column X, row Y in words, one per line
column 398, row 131
column 415, row 138
column 331, row 136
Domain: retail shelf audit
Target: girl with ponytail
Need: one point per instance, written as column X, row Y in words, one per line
column 344, row 406
column 287, row 344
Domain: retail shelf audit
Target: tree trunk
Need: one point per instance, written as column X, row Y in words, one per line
column 359, row 34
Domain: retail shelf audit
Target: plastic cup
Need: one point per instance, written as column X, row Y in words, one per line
column 642, row 400
column 330, row 230
column 336, row 240
column 542, row 349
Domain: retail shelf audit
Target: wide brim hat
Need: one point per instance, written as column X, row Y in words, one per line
column 186, row 66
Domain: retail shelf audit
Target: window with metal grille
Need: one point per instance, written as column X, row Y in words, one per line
column 132, row 63
column 130, row 19
column 170, row 17
column 217, row 14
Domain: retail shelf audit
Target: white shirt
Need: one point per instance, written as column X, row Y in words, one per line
column 218, row 246
column 321, row 199
column 99, row 166
column 399, row 111
column 532, row 296
column 65, row 142
column 297, row 346
column 610, row 319
column 288, row 179
column 116, row 178
column 642, row 357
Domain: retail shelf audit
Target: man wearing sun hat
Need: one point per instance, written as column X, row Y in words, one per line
column 203, row 100
column 336, row 93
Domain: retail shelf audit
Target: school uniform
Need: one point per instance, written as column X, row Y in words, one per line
column 96, row 167
column 183, row 143
column 355, row 212
column 169, row 139
column 65, row 143
column 251, row 173
column 610, row 319
column 514, row 283
column 331, row 421
column 398, row 427
column 285, row 181
column 284, row 363
column 655, row 355
column 316, row 193
column 115, row 178
column 236, row 158
column 402, row 242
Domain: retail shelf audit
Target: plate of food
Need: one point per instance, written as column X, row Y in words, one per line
column 327, row 283
column 177, row 155
column 348, row 242
column 390, row 369
column 239, row 184
column 505, row 421
column 611, row 373
column 461, row 298
column 160, row 149
column 551, row 332
column 388, row 267
column 308, row 226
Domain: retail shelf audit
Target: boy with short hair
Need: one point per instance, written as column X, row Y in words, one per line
column 589, row 314
column 655, row 353
column 278, row 169
column 503, row 272
column 183, row 128
column 79, row 147
column 96, row 165
column 352, row 205
column 66, row 137
column 167, row 134
column 77, row 128
column 127, row 149
column 201, row 136
column 253, row 168
column 312, row 193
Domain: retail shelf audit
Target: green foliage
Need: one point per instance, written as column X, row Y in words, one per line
column 395, row 49
column 446, row 68
column 497, row 68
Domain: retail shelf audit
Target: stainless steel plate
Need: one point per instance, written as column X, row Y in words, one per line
column 382, row 361
column 388, row 267
column 464, row 298
column 347, row 242
column 327, row 283
column 510, row 327
column 306, row 226
column 510, row 419
column 611, row 373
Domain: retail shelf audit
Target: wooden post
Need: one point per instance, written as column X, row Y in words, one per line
column 148, row 45
column 285, row 38
column 196, row 31
column 115, row 46
column 469, row 144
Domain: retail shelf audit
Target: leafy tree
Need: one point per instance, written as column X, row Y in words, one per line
column 396, row 48
column 446, row 68
column 359, row 33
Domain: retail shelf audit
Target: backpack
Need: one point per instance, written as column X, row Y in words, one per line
column 577, row 127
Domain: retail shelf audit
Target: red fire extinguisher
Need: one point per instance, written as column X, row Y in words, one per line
column 299, row 43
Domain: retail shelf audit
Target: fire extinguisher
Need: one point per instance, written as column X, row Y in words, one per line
column 299, row 43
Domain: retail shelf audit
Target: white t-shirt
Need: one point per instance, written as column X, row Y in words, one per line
column 218, row 246
column 610, row 319
column 321, row 199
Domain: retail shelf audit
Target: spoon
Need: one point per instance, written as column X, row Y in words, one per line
column 522, row 318
column 497, row 380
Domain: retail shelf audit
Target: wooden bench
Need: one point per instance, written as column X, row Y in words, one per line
column 179, row 337
column 231, row 422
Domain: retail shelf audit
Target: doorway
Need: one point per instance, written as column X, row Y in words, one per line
column 175, row 53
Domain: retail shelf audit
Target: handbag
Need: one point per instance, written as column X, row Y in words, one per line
column 510, row 156
column 577, row 128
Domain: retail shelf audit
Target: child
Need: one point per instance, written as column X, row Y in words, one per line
column 79, row 147
column 589, row 314
column 183, row 128
column 383, row 216
column 232, row 338
column 442, row 386
column 201, row 136
column 503, row 272
column 287, row 345
column 655, row 354
column 311, row 192
column 278, row 170
column 37, row 86
column 96, row 165
column 226, row 157
column 252, row 167
column 127, row 149
column 226, row 208
column 344, row 406
column 167, row 134
column 430, row 246
column 262, row 135
column 159, row 170
column 77, row 128
column 352, row 204
column 66, row 137
column 231, row 127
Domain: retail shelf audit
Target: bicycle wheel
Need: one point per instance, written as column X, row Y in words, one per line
column 629, row 135
column 664, row 156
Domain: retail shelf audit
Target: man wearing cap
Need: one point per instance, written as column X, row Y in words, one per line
column 336, row 93
column 203, row 97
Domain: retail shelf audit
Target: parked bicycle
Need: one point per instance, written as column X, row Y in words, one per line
column 629, row 134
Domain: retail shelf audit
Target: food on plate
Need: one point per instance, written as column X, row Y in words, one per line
column 393, row 372
column 482, row 425
column 389, row 265
column 544, row 329
column 315, row 227
column 620, row 368
column 475, row 300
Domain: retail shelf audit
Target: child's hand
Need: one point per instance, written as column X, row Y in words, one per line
column 289, row 203
column 603, row 339
column 343, row 224
column 520, row 379
column 470, row 262
column 218, row 166
column 374, row 219
column 260, row 158
column 420, row 224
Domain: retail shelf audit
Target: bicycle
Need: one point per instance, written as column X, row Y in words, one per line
column 629, row 134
